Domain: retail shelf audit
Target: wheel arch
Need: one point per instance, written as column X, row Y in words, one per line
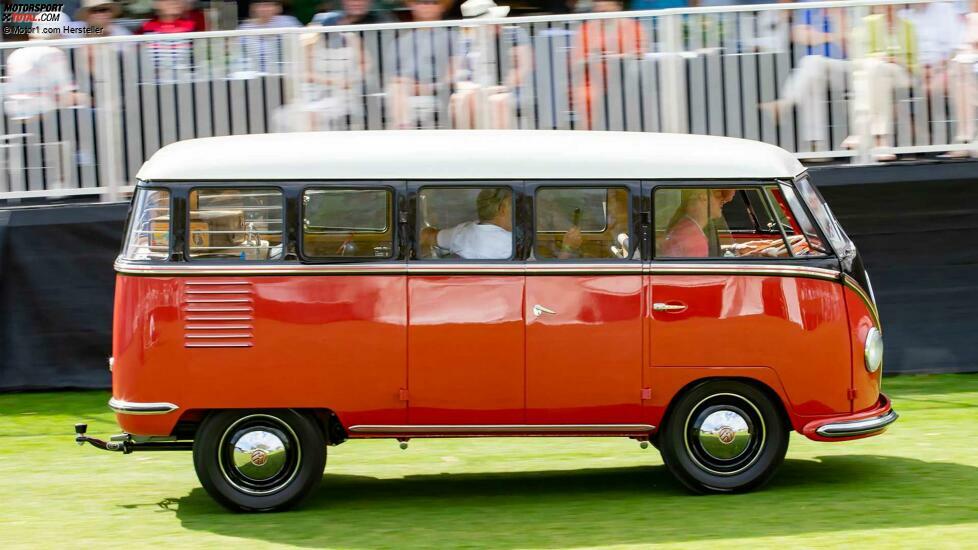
column 328, row 422
column 760, row 385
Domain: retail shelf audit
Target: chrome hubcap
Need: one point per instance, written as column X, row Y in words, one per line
column 724, row 434
column 259, row 455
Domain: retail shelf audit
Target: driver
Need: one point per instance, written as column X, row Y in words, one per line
column 491, row 238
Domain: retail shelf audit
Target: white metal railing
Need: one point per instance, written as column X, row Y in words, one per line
column 80, row 116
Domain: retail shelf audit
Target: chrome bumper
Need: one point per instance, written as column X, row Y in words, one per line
column 858, row 427
column 129, row 407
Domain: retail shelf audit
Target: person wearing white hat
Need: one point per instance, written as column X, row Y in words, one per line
column 39, row 79
column 100, row 15
column 486, row 94
column 472, row 9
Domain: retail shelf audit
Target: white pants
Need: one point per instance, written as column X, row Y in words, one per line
column 807, row 88
column 874, row 81
column 964, row 94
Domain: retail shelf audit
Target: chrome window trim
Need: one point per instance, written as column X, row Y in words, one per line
column 421, row 429
column 133, row 407
column 858, row 427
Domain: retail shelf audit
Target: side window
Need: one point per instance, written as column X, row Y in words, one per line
column 241, row 224
column 582, row 222
column 347, row 223
column 149, row 227
column 470, row 223
column 726, row 223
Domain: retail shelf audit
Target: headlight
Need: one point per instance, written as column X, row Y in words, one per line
column 873, row 352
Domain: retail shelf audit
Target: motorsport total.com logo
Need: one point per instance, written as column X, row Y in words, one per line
column 22, row 17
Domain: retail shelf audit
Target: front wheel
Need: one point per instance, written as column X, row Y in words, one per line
column 259, row 461
column 724, row 436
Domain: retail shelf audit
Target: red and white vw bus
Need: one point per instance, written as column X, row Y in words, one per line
column 279, row 294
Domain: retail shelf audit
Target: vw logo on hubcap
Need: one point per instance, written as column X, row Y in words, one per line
column 726, row 435
column 259, row 457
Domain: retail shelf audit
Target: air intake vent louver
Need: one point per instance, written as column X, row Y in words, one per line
column 218, row 314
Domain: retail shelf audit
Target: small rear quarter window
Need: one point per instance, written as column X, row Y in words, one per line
column 149, row 226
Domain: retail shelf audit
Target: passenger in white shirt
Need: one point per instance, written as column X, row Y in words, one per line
column 491, row 238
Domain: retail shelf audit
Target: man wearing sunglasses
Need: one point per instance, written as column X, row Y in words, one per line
column 100, row 16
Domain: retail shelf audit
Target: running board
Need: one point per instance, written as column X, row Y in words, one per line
column 484, row 429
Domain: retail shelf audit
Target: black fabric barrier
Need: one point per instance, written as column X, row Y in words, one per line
column 56, row 288
column 56, row 279
column 918, row 242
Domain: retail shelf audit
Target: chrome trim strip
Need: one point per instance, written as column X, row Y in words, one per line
column 216, row 283
column 217, row 291
column 422, row 429
column 129, row 267
column 218, row 301
column 219, row 336
column 858, row 427
column 744, row 269
column 218, row 345
column 217, row 310
column 192, row 318
column 516, row 268
column 865, row 297
column 218, row 327
column 131, row 407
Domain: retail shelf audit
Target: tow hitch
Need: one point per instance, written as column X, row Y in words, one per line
column 125, row 443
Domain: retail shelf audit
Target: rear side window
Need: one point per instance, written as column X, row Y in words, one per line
column 347, row 223
column 582, row 223
column 149, row 227
column 239, row 224
column 728, row 222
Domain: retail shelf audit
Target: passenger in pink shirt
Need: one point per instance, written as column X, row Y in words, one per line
column 691, row 233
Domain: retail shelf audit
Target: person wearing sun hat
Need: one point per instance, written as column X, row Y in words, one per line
column 485, row 94
column 100, row 15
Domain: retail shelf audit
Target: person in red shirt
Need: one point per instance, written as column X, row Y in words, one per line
column 600, row 41
column 170, row 18
column 691, row 233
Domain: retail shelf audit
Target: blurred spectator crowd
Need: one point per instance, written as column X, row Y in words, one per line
column 870, row 59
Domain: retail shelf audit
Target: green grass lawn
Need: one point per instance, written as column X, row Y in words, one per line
column 915, row 486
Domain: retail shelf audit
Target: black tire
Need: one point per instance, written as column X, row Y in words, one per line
column 724, row 436
column 259, row 461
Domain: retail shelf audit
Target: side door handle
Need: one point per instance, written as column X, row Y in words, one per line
column 539, row 310
column 674, row 307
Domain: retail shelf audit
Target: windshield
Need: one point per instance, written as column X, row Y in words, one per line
column 823, row 215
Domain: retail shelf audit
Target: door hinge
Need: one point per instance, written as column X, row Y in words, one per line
column 851, row 394
column 646, row 393
column 403, row 396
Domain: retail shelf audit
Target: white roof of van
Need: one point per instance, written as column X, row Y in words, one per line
column 467, row 154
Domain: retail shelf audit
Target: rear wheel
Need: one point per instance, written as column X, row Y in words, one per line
column 724, row 436
column 259, row 461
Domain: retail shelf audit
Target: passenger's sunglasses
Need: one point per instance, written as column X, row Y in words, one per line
column 101, row 9
column 426, row 2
